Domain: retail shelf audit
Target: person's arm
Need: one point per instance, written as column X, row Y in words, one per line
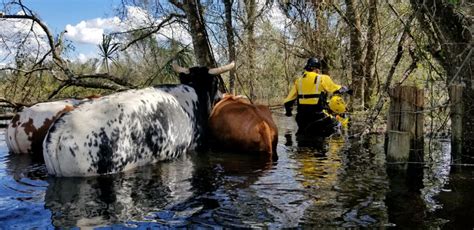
column 334, row 88
column 328, row 85
column 290, row 100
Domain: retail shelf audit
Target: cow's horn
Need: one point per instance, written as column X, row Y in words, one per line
column 222, row 69
column 179, row 69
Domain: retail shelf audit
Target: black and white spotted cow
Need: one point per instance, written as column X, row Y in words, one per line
column 124, row 130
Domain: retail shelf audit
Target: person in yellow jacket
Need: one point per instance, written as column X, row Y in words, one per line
column 309, row 92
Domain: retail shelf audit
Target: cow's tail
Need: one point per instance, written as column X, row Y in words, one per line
column 267, row 137
column 10, row 138
column 51, row 147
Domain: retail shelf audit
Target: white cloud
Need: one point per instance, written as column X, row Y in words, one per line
column 91, row 31
column 277, row 17
column 19, row 33
column 137, row 17
column 82, row 58
column 176, row 32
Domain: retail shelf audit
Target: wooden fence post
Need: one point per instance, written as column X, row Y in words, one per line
column 405, row 125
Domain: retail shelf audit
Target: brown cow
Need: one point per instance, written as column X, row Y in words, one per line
column 237, row 125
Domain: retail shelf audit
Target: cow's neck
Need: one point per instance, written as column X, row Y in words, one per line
column 202, row 117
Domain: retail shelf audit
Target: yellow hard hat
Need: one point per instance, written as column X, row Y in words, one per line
column 337, row 104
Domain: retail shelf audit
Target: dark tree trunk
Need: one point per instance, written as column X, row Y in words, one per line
column 197, row 26
column 370, row 55
column 230, row 41
column 451, row 44
column 356, row 51
column 251, row 10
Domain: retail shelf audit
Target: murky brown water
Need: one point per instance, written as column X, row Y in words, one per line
column 337, row 182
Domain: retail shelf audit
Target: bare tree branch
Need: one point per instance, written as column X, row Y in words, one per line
column 57, row 90
column 56, row 49
column 107, row 76
column 153, row 30
column 380, row 102
column 56, row 56
column 410, row 68
column 15, row 105
column 26, row 72
column 99, row 85
column 343, row 16
column 392, row 8
column 177, row 3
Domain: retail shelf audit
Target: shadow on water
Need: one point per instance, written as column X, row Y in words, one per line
column 317, row 183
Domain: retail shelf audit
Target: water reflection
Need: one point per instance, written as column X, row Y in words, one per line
column 436, row 174
column 22, row 189
column 223, row 196
column 456, row 200
column 419, row 183
column 105, row 200
column 405, row 184
column 345, row 180
column 348, row 186
column 316, row 183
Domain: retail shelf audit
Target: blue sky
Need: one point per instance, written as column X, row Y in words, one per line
column 57, row 14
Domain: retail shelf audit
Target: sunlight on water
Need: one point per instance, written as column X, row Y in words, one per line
column 316, row 183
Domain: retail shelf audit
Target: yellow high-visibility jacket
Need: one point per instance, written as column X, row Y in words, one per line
column 308, row 88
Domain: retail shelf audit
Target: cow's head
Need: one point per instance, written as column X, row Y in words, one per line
column 205, row 81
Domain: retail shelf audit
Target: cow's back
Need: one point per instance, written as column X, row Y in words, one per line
column 27, row 129
column 237, row 125
column 121, row 131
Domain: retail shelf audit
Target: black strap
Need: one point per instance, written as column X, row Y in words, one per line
column 305, row 96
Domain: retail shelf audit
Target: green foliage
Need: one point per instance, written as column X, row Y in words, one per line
column 454, row 2
column 108, row 51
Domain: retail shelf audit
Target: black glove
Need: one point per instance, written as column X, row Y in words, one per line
column 344, row 89
column 288, row 107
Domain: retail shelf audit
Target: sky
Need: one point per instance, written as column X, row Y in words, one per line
column 87, row 20
column 76, row 16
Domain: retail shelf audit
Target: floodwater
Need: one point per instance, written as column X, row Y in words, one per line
column 332, row 183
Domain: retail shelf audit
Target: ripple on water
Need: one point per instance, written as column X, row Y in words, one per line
column 330, row 183
column 22, row 190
